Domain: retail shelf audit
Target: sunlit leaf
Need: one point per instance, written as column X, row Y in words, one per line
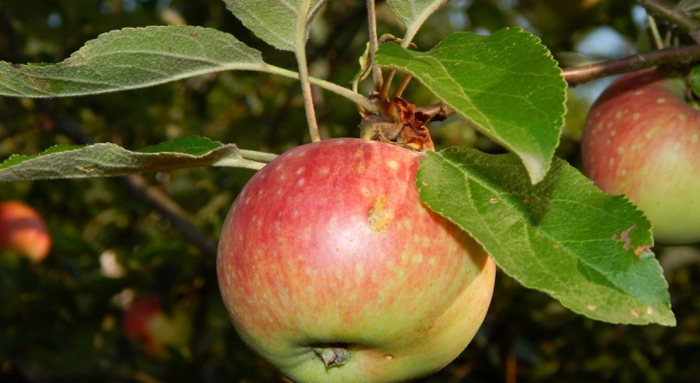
column 107, row 160
column 507, row 85
column 276, row 22
column 563, row 236
column 132, row 58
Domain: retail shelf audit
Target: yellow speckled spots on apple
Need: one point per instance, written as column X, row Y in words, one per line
column 618, row 115
column 639, row 93
column 622, row 172
column 648, row 135
column 493, row 201
column 636, row 116
column 694, row 138
column 361, row 167
column 301, row 182
column 660, row 100
column 592, row 307
column 621, row 150
column 359, row 153
column 299, row 171
column 282, row 177
column 611, row 162
column 650, row 310
column 379, row 215
column 676, row 146
column 307, row 234
column 332, row 224
column 365, row 192
column 393, row 165
column 359, row 272
column 634, row 313
column 417, row 259
column 682, row 117
column 323, row 171
column 432, row 261
column 613, row 133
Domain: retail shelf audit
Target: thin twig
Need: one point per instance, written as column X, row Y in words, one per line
column 300, row 51
column 684, row 21
column 684, row 55
column 373, row 45
column 335, row 88
column 401, row 86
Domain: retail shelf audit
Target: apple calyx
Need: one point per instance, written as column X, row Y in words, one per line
column 407, row 129
column 332, row 356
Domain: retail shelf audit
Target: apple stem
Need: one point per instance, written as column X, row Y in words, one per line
column 333, row 356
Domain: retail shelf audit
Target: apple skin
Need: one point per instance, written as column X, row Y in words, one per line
column 22, row 231
column 328, row 252
column 146, row 324
column 642, row 139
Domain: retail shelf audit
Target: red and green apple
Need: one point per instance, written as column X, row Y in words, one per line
column 642, row 139
column 22, row 231
column 334, row 271
column 157, row 332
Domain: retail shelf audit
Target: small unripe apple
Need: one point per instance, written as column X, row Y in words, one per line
column 157, row 332
column 334, row 271
column 22, row 231
column 642, row 139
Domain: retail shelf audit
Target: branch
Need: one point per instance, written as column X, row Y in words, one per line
column 684, row 55
column 684, row 21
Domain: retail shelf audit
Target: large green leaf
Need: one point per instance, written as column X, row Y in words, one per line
column 278, row 23
column 507, row 85
column 563, row 236
column 107, row 160
column 413, row 13
column 132, row 58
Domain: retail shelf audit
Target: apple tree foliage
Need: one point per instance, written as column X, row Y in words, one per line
column 545, row 224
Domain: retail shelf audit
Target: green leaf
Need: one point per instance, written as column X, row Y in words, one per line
column 563, row 236
column 695, row 80
column 276, row 22
column 507, row 85
column 413, row 13
column 132, row 58
column 108, row 160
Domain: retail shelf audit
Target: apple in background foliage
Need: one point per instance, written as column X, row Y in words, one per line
column 642, row 139
column 333, row 270
column 22, row 231
column 155, row 331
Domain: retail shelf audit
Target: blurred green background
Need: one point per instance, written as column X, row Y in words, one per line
column 60, row 320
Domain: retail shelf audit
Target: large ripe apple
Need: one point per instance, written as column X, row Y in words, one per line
column 22, row 231
column 156, row 331
column 334, row 271
column 642, row 139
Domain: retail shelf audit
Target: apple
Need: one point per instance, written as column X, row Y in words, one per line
column 334, row 271
column 642, row 139
column 146, row 324
column 22, row 231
